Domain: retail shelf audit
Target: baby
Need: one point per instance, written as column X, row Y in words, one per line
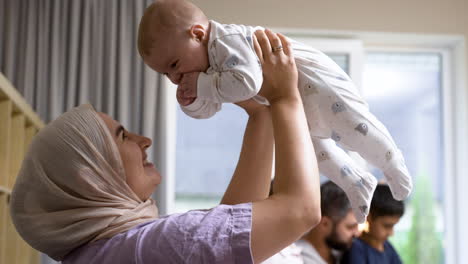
column 213, row 63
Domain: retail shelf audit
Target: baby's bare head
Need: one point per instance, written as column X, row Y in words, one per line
column 166, row 18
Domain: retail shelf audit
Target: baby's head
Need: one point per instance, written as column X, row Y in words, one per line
column 173, row 37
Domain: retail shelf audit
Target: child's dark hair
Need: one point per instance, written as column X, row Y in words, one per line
column 383, row 203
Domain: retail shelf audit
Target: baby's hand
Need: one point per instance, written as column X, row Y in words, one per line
column 187, row 90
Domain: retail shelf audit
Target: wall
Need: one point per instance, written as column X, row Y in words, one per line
column 422, row 16
column 414, row 16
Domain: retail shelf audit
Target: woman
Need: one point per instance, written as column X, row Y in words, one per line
column 83, row 193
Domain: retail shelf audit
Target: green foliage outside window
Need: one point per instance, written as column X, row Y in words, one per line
column 422, row 244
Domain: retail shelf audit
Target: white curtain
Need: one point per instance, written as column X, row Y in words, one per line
column 62, row 53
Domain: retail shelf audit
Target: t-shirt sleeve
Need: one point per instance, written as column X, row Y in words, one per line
column 356, row 254
column 219, row 235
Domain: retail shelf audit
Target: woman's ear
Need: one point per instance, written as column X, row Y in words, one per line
column 198, row 32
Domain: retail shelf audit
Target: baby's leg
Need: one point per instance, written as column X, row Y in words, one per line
column 356, row 128
column 358, row 184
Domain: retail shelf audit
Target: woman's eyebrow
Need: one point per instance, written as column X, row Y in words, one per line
column 119, row 129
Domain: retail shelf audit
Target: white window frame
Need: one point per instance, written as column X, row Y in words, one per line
column 453, row 131
column 454, row 92
column 453, row 50
column 165, row 153
column 353, row 48
column 447, row 134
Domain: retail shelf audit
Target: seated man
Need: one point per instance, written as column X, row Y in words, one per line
column 336, row 230
column 373, row 247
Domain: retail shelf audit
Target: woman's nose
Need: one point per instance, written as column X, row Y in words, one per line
column 142, row 141
column 145, row 142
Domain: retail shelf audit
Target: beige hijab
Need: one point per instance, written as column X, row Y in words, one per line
column 71, row 188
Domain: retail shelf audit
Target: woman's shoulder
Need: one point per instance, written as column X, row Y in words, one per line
column 190, row 237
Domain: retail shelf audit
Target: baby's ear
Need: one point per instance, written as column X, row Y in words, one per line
column 198, row 32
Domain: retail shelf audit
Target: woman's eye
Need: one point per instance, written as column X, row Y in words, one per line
column 124, row 136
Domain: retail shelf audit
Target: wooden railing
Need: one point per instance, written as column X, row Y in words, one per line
column 18, row 124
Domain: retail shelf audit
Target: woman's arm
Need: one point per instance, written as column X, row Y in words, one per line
column 251, row 179
column 294, row 208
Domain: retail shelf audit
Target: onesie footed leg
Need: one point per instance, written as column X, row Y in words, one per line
column 340, row 168
column 359, row 191
column 398, row 178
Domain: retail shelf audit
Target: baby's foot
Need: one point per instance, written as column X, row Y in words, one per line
column 360, row 195
column 398, row 177
column 399, row 180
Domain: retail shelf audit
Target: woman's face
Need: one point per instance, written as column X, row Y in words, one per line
column 141, row 175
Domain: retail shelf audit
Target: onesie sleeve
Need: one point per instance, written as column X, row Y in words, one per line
column 237, row 74
column 201, row 108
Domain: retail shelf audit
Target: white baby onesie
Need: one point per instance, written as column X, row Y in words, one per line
column 335, row 111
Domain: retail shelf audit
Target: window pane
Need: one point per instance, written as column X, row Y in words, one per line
column 404, row 91
column 206, row 155
column 207, row 152
column 341, row 59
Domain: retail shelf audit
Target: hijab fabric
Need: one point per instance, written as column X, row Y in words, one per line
column 71, row 188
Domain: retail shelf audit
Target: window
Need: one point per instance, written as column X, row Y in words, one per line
column 404, row 91
column 417, row 92
column 206, row 153
column 207, row 150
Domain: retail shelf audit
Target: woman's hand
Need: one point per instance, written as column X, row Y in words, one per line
column 279, row 67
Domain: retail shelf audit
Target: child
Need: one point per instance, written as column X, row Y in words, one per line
column 214, row 63
column 372, row 246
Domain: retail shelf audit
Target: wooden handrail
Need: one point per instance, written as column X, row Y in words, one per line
column 7, row 91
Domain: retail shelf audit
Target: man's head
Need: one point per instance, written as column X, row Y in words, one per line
column 384, row 213
column 338, row 225
column 173, row 37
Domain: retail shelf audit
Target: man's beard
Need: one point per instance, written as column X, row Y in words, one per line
column 334, row 242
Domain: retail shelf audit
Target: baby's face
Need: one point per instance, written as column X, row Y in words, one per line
column 174, row 55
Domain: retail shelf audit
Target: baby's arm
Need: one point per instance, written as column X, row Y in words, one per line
column 200, row 108
column 190, row 104
column 238, row 74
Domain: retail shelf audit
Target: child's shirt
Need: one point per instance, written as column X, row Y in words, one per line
column 363, row 253
column 235, row 72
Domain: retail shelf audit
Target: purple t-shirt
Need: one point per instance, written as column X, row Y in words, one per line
column 219, row 235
